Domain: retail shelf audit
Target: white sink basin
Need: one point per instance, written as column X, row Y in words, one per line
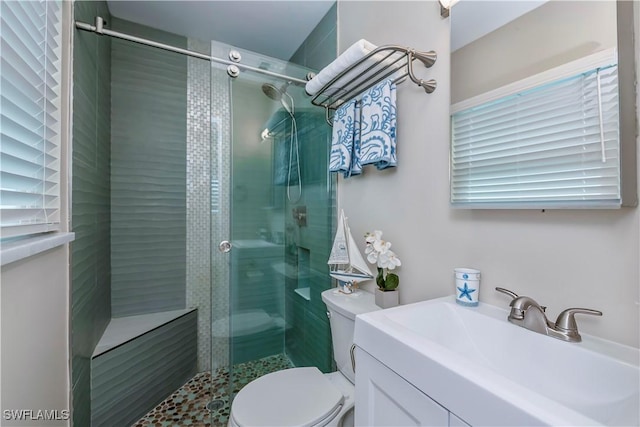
column 490, row 372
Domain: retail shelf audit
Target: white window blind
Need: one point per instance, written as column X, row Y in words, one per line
column 553, row 145
column 30, row 48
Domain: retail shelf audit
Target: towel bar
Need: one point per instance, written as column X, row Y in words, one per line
column 389, row 61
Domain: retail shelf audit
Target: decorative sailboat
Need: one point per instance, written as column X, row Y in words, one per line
column 346, row 263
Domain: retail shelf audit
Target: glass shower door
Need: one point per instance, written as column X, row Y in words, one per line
column 273, row 200
column 256, row 292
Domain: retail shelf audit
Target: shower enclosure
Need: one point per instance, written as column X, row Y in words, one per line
column 272, row 214
column 203, row 210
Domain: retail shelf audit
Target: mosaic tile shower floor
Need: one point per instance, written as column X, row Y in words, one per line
column 186, row 406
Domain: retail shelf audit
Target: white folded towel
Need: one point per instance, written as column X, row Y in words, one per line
column 354, row 53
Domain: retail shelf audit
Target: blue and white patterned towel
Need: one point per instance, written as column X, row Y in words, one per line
column 356, row 163
column 378, row 126
column 345, row 130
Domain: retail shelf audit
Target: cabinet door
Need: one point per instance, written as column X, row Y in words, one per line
column 456, row 422
column 383, row 398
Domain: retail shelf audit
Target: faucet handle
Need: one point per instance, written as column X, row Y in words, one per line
column 516, row 313
column 508, row 292
column 514, row 296
column 567, row 322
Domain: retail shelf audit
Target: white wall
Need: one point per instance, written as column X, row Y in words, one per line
column 636, row 26
column 551, row 35
column 35, row 361
column 34, row 306
column 565, row 258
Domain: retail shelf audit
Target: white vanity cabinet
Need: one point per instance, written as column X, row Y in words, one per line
column 421, row 363
column 383, row 398
column 456, row 422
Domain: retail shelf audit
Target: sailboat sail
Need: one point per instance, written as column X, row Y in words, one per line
column 346, row 262
column 357, row 261
column 339, row 250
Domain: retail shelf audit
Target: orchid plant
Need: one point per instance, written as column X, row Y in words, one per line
column 379, row 252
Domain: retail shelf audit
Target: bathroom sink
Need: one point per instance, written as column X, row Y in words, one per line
column 488, row 371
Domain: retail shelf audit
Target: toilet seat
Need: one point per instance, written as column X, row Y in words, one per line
column 293, row 397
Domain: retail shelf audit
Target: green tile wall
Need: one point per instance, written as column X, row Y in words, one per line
column 132, row 379
column 148, row 173
column 308, row 338
column 90, row 220
column 320, row 47
column 296, row 307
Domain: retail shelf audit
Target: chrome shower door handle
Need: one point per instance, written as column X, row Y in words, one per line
column 224, row 246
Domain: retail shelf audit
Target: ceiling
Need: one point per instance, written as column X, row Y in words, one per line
column 273, row 28
column 472, row 19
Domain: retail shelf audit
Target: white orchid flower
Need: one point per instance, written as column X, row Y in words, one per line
column 381, row 246
column 383, row 261
column 379, row 251
column 372, row 255
column 392, row 260
column 387, row 260
column 372, row 237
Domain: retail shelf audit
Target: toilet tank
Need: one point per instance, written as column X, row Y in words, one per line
column 342, row 309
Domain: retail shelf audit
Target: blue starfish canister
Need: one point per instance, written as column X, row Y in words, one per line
column 467, row 286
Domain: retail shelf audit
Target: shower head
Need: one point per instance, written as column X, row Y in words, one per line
column 278, row 94
column 272, row 91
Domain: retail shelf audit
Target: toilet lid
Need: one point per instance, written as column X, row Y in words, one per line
column 293, row 397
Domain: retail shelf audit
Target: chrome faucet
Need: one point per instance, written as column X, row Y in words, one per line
column 526, row 312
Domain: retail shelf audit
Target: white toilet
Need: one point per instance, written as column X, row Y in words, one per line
column 306, row 396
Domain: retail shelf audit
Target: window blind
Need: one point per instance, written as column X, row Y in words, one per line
column 29, row 116
column 554, row 145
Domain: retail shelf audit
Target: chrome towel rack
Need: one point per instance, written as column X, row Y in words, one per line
column 388, row 61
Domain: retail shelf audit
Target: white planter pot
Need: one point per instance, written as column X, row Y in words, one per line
column 386, row 299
